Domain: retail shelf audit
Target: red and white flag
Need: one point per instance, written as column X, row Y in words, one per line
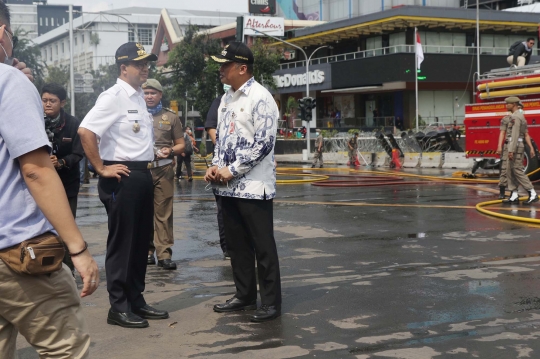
column 418, row 50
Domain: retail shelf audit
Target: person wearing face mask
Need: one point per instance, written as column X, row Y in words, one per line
column 43, row 306
column 67, row 151
column 168, row 133
column 318, row 156
column 185, row 157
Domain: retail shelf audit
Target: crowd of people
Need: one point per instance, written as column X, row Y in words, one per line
column 132, row 142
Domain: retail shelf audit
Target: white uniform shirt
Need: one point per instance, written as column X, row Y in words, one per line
column 112, row 119
column 246, row 135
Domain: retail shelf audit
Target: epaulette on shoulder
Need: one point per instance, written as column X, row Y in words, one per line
column 168, row 109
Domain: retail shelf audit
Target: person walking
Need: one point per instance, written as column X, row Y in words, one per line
column 67, row 150
column 318, row 156
column 353, row 147
column 185, row 157
column 168, row 133
column 44, row 308
column 520, row 53
column 125, row 187
column 244, row 175
column 502, row 150
column 515, row 134
column 210, row 126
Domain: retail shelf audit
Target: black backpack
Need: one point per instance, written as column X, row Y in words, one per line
column 513, row 47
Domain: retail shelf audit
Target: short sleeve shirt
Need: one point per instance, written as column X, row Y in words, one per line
column 504, row 123
column 167, row 128
column 122, row 122
column 22, row 130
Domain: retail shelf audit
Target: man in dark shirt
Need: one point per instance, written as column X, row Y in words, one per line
column 66, row 145
column 210, row 126
column 521, row 54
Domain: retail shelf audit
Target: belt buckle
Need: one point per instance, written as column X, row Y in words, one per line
column 150, row 165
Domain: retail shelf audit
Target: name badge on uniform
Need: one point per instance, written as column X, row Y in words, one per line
column 133, row 111
column 66, row 139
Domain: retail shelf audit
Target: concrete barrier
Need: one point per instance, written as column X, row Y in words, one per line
column 457, row 160
column 381, row 160
column 431, row 160
column 411, row 160
column 368, row 156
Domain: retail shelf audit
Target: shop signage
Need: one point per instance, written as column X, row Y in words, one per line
column 287, row 80
column 266, row 7
column 274, row 26
column 294, row 79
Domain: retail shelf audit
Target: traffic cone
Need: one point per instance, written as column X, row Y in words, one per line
column 395, row 159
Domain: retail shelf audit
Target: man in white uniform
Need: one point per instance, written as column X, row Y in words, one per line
column 123, row 161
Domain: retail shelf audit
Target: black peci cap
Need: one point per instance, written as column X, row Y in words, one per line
column 235, row 52
column 133, row 51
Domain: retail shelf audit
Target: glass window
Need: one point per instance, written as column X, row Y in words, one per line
column 131, row 34
column 40, row 21
column 52, row 21
column 56, row 49
column 46, row 21
column 75, row 40
column 145, row 34
column 63, row 47
column 82, row 38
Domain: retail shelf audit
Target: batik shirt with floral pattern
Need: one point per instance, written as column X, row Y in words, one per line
column 246, row 135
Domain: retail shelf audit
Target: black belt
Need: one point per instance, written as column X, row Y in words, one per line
column 132, row 165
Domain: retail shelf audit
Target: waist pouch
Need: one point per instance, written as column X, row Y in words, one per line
column 42, row 254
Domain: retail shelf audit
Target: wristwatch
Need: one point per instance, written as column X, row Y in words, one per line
column 62, row 163
column 172, row 152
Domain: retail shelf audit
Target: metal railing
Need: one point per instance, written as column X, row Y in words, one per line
column 398, row 49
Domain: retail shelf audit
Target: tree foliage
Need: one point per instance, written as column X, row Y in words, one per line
column 29, row 53
column 192, row 71
column 266, row 63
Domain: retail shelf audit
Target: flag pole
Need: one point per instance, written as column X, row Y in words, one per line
column 416, row 73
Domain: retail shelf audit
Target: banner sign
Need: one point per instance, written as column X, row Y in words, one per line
column 262, row 7
column 274, row 26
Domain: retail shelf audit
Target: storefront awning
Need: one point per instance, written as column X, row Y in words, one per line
column 396, row 23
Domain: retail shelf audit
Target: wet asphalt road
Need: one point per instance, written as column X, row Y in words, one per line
column 407, row 271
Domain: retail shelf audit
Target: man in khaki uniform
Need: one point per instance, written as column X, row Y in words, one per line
column 515, row 135
column 502, row 149
column 167, row 132
column 353, row 146
column 318, row 156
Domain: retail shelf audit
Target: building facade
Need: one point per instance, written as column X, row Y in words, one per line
column 369, row 73
column 34, row 18
column 97, row 36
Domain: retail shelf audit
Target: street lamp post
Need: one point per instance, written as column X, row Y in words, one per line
column 307, row 73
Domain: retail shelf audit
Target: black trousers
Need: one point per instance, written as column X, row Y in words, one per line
column 221, row 225
column 187, row 160
column 130, row 208
column 249, row 224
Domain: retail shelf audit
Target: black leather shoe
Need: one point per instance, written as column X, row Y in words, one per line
column 126, row 320
column 509, row 201
column 266, row 313
column 151, row 259
column 166, row 264
column 234, row 304
column 147, row 312
column 531, row 199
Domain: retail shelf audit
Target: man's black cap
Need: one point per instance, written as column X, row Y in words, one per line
column 235, row 52
column 133, row 51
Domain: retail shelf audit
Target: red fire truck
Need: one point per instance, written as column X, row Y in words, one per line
column 483, row 118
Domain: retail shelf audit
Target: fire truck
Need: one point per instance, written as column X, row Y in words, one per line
column 483, row 118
